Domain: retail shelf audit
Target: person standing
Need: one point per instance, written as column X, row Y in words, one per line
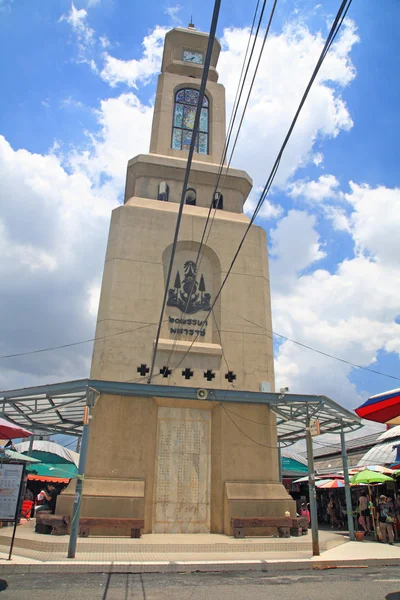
column 365, row 513
column 385, row 518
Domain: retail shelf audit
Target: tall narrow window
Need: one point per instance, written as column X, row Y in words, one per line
column 184, row 114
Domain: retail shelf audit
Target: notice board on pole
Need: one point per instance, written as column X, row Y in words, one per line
column 10, row 486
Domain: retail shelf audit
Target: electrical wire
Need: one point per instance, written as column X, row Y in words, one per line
column 235, row 107
column 95, row 339
column 343, row 360
column 275, row 167
column 207, row 62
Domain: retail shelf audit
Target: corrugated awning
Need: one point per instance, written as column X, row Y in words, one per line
column 59, row 408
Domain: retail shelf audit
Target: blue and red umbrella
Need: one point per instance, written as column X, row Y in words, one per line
column 382, row 408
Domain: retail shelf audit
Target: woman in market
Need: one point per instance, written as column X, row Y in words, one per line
column 365, row 513
column 385, row 518
column 334, row 513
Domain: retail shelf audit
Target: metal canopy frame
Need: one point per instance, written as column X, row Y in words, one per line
column 59, row 408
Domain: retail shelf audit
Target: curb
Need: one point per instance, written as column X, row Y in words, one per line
column 196, row 566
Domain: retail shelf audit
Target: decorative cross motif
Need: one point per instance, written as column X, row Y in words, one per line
column 187, row 373
column 209, row 375
column 230, row 376
column 143, row 370
column 165, row 372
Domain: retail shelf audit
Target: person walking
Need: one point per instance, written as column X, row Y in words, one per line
column 385, row 519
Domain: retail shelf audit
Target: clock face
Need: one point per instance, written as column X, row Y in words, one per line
column 193, row 57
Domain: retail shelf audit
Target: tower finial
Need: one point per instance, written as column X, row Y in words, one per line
column 191, row 25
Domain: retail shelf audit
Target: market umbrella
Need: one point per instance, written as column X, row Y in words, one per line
column 335, row 483
column 379, row 469
column 382, row 408
column 9, row 431
column 367, row 476
column 18, row 456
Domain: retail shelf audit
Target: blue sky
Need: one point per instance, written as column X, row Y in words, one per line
column 78, row 87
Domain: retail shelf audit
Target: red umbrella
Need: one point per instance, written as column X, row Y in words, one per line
column 9, row 431
column 382, row 408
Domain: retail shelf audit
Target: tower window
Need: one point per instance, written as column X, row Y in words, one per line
column 190, row 197
column 163, row 191
column 184, row 114
column 218, row 200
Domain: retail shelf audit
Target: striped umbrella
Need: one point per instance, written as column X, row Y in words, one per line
column 334, row 483
column 382, row 408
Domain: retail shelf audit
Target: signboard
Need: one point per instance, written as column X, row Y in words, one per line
column 314, row 427
column 10, row 485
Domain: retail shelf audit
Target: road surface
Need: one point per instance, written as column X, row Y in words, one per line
column 365, row 584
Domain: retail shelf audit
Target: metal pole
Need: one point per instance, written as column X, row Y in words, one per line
column 17, row 512
column 349, row 506
column 313, row 494
column 280, row 462
column 76, row 509
column 30, row 449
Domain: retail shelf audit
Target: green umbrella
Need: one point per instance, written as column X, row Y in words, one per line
column 368, row 477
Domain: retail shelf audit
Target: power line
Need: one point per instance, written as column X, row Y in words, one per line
column 202, row 89
column 235, row 107
column 343, row 360
column 335, row 26
column 95, row 339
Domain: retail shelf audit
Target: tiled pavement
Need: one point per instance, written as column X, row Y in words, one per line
column 186, row 552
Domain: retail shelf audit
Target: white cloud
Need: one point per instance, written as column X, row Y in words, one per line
column 326, row 187
column 338, row 216
column 85, row 35
column 296, row 245
column 268, row 209
column 318, row 159
column 54, row 223
column 132, row 72
column 375, row 221
column 172, row 12
column 285, row 69
column 70, row 102
column 109, row 150
column 104, row 41
column 350, row 313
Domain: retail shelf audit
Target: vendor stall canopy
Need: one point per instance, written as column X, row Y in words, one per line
column 56, row 462
column 386, row 451
column 59, row 408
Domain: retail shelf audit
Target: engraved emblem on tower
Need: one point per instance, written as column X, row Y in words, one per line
column 190, row 295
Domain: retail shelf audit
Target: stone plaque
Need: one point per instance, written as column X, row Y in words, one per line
column 182, row 485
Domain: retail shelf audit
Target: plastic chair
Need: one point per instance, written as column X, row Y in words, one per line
column 26, row 509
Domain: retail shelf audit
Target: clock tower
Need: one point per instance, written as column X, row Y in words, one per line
column 184, row 465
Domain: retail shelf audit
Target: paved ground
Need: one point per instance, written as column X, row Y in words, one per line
column 368, row 584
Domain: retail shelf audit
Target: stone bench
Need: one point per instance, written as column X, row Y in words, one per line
column 58, row 523
column 86, row 523
column 282, row 524
column 299, row 526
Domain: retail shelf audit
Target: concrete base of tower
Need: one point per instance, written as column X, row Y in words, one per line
column 182, row 466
